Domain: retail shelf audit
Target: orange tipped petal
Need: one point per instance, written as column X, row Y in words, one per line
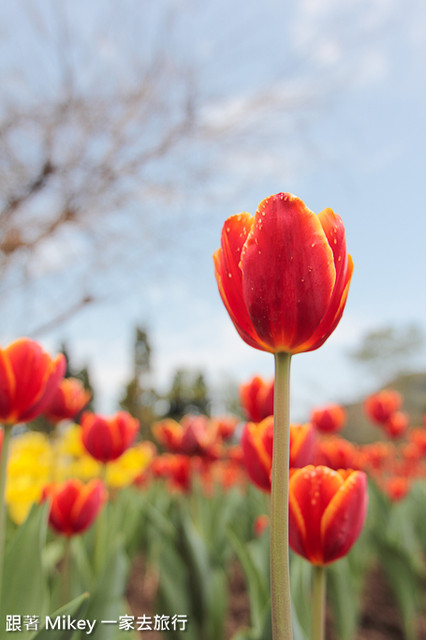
column 302, row 443
column 288, row 272
column 229, row 276
column 256, row 443
column 7, row 386
column 344, row 517
column 335, row 233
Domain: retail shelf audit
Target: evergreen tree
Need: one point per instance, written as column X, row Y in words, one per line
column 139, row 398
column 188, row 394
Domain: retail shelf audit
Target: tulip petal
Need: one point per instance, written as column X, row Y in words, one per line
column 30, row 367
column 7, row 386
column 62, row 501
column 335, row 233
column 256, row 442
column 344, row 517
column 288, row 273
column 54, row 375
column 297, row 527
column 302, row 441
column 229, row 276
column 87, row 505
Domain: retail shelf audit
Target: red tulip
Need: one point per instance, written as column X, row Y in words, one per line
column 200, row 436
column 257, row 398
column 327, row 510
column 377, row 456
column 329, row 419
column 418, row 436
column 169, row 433
column 107, row 438
column 192, row 436
column 337, row 453
column 380, row 406
column 225, row 426
column 28, row 379
column 261, row 523
column 284, row 275
column 257, row 441
column 396, row 488
column 174, row 467
column 74, row 505
column 69, row 399
column 396, row 425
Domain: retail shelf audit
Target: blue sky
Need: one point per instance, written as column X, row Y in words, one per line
column 352, row 138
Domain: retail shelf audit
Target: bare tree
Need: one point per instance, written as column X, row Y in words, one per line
column 100, row 109
column 93, row 113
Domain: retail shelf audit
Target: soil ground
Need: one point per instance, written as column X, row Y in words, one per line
column 380, row 618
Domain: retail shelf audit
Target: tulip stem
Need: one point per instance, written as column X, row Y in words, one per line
column 99, row 533
column 66, row 572
column 280, row 581
column 318, row 597
column 7, row 429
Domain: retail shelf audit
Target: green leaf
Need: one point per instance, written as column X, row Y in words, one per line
column 195, row 556
column 75, row 609
column 80, row 576
column 173, row 591
column 404, row 581
column 24, row 581
column 344, row 594
column 301, row 589
column 105, row 602
column 216, row 604
column 257, row 580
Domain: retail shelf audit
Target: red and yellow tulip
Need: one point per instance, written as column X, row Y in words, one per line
column 257, row 445
column 284, row 274
column 257, row 398
column 74, row 505
column 29, row 378
column 381, row 405
column 107, row 438
column 329, row 419
column 68, row 400
column 327, row 510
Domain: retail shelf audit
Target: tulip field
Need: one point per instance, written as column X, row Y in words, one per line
column 236, row 527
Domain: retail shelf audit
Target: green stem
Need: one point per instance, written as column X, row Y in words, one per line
column 99, row 551
column 7, row 429
column 280, row 581
column 318, row 597
column 66, row 572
